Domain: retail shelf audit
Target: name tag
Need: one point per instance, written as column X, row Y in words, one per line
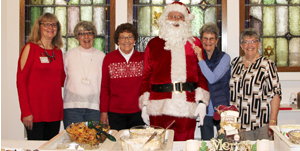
column 44, row 59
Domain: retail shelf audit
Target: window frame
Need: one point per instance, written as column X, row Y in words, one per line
column 112, row 25
column 224, row 20
column 242, row 27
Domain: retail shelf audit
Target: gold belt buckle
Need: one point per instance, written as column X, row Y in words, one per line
column 174, row 87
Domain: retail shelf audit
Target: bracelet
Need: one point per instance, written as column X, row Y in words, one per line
column 273, row 121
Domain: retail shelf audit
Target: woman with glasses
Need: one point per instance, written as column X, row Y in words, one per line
column 254, row 89
column 40, row 77
column 216, row 69
column 121, row 81
column 83, row 67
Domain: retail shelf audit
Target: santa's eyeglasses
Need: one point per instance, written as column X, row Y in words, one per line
column 174, row 17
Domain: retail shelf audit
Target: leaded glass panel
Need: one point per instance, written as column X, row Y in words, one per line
column 281, row 52
column 99, row 20
column 294, row 52
column 48, row 10
column 86, row 1
column 35, row 2
column 72, row 43
column 269, row 21
column 73, row 19
column 294, row 20
column 48, row 2
column 61, row 13
column 146, row 13
column 278, row 21
column 69, row 13
column 269, row 48
column 73, row 2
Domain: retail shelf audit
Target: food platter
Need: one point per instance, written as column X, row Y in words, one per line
column 281, row 143
column 117, row 146
column 63, row 137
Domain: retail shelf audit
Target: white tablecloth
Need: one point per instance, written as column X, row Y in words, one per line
column 31, row 145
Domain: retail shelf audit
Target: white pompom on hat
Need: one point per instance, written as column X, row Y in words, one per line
column 179, row 7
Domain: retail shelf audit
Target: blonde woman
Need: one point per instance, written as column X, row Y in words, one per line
column 40, row 77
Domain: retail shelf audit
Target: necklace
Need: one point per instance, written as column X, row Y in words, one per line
column 50, row 57
column 85, row 80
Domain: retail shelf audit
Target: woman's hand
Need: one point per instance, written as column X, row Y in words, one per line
column 271, row 123
column 198, row 52
column 28, row 121
column 104, row 118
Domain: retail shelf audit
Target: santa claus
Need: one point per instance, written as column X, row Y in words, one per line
column 173, row 86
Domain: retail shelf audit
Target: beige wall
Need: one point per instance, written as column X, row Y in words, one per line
column 12, row 128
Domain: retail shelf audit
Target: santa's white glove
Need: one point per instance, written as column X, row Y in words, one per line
column 201, row 111
column 145, row 116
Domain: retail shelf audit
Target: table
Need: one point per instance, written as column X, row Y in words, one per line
column 31, row 145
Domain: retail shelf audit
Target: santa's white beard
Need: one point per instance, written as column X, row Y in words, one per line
column 176, row 37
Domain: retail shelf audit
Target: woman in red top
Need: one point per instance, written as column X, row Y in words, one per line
column 40, row 77
column 122, row 72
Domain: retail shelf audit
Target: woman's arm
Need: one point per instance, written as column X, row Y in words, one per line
column 219, row 71
column 24, row 68
column 275, row 104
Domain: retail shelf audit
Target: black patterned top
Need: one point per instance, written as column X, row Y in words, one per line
column 253, row 87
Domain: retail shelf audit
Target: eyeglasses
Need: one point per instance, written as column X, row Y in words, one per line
column 123, row 38
column 249, row 42
column 47, row 25
column 173, row 17
column 87, row 33
column 208, row 39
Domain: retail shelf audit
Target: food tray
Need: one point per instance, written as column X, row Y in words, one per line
column 63, row 137
column 116, row 146
column 281, row 143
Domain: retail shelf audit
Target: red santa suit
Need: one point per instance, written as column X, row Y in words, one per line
column 167, row 66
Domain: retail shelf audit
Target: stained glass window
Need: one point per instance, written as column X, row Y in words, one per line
column 69, row 13
column 278, row 22
column 147, row 12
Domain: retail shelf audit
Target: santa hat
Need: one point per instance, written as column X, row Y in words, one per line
column 223, row 108
column 178, row 7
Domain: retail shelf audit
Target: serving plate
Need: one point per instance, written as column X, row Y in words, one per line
column 63, row 137
column 281, row 143
column 117, row 146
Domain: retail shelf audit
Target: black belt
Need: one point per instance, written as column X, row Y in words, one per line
column 176, row 87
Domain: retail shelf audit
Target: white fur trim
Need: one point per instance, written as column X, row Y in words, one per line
column 178, row 63
column 177, row 106
column 202, row 95
column 143, row 99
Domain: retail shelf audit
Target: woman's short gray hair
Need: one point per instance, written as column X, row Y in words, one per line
column 85, row 26
column 251, row 32
column 210, row 28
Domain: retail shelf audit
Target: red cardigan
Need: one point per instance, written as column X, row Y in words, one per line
column 121, row 82
column 39, row 85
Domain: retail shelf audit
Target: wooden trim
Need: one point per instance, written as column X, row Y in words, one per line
column 22, row 25
column 224, row 26
column 130, row 11
column 242, row 20
column 288, row 69
column 112, row 24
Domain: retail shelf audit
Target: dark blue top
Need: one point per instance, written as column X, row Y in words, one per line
column 217, row 72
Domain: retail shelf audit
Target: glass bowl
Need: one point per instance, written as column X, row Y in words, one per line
column 138, row 144
column 284, row 129
column 294, row 136
column 86, row 137
column 146, row 131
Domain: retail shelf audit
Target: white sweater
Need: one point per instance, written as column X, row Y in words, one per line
column 79, row 64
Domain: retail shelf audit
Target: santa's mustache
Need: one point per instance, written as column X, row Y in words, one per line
column 175, row 23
